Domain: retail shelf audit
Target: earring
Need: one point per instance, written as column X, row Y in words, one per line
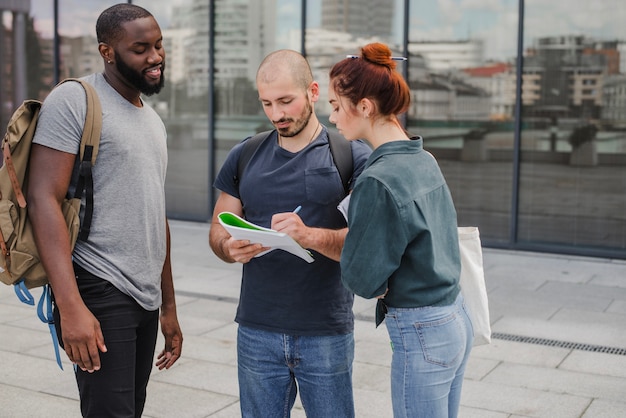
column 109, row 61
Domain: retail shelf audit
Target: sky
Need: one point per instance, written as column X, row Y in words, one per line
column 495, row 21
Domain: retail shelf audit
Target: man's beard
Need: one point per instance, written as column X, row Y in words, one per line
column 137, row 79
column 299, row 124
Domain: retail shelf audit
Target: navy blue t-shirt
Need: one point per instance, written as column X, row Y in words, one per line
column 281, row 292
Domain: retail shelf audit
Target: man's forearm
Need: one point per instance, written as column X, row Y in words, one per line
column 328, row 242
column 217, row 240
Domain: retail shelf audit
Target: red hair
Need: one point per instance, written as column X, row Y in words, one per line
column 373, row 76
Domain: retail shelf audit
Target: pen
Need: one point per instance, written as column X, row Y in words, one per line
column 296, row 210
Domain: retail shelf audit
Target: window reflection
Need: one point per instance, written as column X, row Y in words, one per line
column 462, row 68
column 462, row 75
column 574, row 127
column 184, row 104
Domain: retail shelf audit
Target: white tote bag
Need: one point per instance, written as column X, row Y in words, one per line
column 473, row 283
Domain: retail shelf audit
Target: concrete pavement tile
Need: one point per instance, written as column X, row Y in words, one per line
column 209, row 309
column 194, row 325
column 530, row 267
column 25, row 339
column 371, row 377
column 595, row 364
column 46, row 352
column 202, row 375
column 603, row 272
column 167, row 401
column 372, row 404
column 373, row 352
column 15, row 311
column 605, row 409
column 227, row 332
column 569, row 325
column 23, row 403
column 367, row 330
column 37, row 375
column 522, row 353
column 510, row 304
column 232, row 411
column 506, row 398
column 209, row 281
column 467, row 412
column 617, row 307
column 578, row 292
column 557, row 381
column 599, row 328
column 560, row 295
column 212, row 350
column 477, row 368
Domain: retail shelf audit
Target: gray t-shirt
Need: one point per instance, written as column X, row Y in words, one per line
column 127, row 241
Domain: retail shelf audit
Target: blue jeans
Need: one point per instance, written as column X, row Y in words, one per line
column 118, row 389
column 431, row 346
column 272, row 366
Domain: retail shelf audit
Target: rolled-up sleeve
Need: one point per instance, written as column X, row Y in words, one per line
column 375, row 242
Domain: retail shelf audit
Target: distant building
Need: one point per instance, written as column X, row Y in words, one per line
column 614, row 101
column 445, row 56
column 568, row 73
column 498, row 79
column 359, row 18
column 443, row 97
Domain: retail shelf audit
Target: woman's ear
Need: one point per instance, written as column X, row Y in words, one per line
column 366, row 108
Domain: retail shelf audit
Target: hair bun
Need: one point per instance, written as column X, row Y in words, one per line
column 378, row 53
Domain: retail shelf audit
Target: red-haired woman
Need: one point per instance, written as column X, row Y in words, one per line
column 402, row 244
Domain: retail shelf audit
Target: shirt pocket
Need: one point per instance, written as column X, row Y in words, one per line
column 323, row 185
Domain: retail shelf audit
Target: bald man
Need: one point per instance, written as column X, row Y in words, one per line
column 295, row 318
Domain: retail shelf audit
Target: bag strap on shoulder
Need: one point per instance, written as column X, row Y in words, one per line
column 89, row 146
column 340, row 150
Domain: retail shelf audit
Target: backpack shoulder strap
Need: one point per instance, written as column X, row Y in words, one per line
column 89, row 145
column 249, row 148
column 341, row 151
column 90, row 140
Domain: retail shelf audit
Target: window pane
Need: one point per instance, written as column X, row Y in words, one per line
column 336, row 28
column 462, row 78
column 573, row 182
column 246, row 31
column 184, row 104
column 77, row 32
column 25, row 55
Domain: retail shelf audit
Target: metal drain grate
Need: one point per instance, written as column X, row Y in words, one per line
column 560, row 344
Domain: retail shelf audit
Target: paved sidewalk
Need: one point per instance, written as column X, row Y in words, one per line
column 559, row 351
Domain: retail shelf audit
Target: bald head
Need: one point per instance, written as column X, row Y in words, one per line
column 285, row 63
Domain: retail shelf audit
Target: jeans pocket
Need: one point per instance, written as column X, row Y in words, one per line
column 442, row 340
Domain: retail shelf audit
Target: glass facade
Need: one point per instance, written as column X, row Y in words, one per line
column 523, row 103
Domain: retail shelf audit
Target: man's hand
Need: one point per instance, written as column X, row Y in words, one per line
column 328, row 242
column 292, row 225
column 241, row 251
column 173, row 341
column 82, row 338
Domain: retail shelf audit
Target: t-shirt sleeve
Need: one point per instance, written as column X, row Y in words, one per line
column 376, row 233
column 62, row 118
column 225, row 180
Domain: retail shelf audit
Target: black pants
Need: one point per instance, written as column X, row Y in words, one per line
column 118, row 389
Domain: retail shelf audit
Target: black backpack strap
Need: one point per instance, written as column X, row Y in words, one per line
column 342, row 155
column 249, row 148
column 88, row 152
column 340, row 149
